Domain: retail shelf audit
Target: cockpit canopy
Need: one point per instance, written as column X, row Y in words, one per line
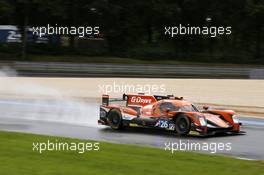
column 175, row 105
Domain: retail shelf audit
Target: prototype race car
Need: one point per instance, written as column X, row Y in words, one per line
column 166, row 112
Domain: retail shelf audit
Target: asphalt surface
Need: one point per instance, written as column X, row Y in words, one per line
column 77, row 119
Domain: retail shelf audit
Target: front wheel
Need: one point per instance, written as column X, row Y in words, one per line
column 114, row 119
column 182, row 125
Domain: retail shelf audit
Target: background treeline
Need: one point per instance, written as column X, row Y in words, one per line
column 136, row 28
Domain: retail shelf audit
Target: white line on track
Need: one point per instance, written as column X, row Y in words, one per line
column 243, row 158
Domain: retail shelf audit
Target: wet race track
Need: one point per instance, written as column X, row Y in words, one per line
column 78, row 119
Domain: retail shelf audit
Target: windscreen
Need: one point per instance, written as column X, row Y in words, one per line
column 172, row 107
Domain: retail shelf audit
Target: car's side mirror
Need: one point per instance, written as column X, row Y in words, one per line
column 205, row 107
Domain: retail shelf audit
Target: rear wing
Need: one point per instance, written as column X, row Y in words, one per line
column 138, row 99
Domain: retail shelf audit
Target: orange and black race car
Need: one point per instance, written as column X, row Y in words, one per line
column 166, row 112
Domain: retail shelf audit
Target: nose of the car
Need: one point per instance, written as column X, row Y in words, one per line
column 216, row 120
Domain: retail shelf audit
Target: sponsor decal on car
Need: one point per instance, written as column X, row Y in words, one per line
column 140, row 100
column 165, row 124
column 134, row 125
column 128, row 116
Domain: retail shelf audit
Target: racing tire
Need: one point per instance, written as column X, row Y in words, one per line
column 182, row 125
column 114, row 119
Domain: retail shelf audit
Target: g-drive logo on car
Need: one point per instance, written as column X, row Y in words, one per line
column 140, row 100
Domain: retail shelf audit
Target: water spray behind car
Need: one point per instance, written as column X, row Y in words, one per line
column 28, row 100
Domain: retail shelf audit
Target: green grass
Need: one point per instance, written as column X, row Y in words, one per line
column 18, row 158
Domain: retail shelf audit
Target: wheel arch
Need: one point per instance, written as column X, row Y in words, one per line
column 182, row 113
column 115, row 108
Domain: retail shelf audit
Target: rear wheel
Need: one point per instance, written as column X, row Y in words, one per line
column 182, row 125
column 114, row 119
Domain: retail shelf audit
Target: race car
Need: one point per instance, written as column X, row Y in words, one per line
column 167, row 113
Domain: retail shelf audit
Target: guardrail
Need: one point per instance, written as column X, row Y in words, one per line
column 133, row 70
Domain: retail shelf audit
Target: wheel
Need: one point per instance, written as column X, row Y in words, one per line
column 114, row 119
column 182, row 125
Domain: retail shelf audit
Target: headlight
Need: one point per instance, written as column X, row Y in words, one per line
column 202, row 121
column 235, row 119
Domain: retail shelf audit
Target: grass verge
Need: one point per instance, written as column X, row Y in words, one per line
column 17, row 157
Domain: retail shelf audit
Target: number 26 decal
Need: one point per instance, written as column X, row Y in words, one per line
column 162, row 124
